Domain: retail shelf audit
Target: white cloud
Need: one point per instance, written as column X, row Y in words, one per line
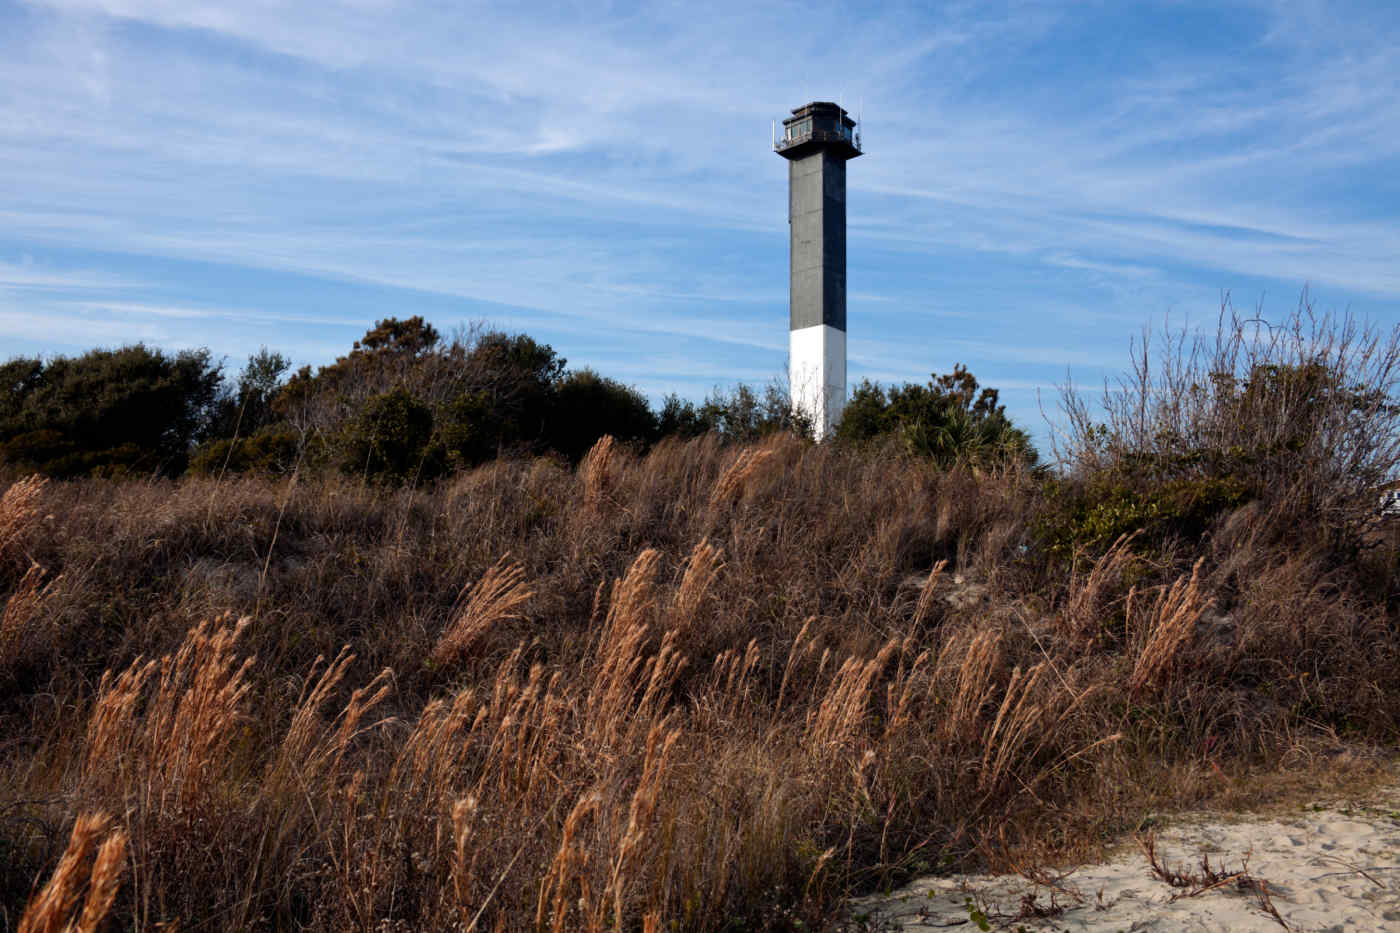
column 29, row 275
column 612, row 170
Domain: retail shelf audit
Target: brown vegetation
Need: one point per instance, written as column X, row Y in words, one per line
column 709, row 688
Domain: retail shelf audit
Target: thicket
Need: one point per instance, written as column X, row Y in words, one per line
column 407, row 405
column 1299, row 419
column 132, row 411
column 404, row 405
column 706, row 687
column 947, row 421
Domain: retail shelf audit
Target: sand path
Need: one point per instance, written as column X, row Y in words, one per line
column 1325, row 867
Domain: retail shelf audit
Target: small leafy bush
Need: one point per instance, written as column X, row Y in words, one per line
column 947, row 421
column 390, row 441
column 1089, row 517
column 274, row 450
column 588, row 406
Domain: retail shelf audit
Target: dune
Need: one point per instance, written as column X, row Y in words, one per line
column 1328, row 866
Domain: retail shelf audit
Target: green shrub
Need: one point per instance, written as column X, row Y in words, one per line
column 108, row 412
column 275, row 450
column 471, row 430
column 244, row 407
column 744, row 415
column 483, row 393
column 587, row 406
column 1086, row 518
column 390, row 440
column 946, row 421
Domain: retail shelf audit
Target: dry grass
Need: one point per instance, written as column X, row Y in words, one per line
column 18, row 510
column 21, row 615
column 78, row 898
column 161, row 731
column 1168, row 628
column 700, row 694
column 497, row 597
column 747, row 464
column 594, row 469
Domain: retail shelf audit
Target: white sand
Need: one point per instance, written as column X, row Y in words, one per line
column 1330, row 867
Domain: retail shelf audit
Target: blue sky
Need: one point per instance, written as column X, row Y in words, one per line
column 1041, row 180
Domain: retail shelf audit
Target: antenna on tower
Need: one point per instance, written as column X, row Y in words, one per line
column 773, row 135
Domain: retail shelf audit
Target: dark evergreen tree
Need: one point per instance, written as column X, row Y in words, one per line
column 951, row 419
column 588, row 406
column 107, row 412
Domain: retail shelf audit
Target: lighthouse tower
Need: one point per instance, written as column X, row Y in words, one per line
column 817, row 140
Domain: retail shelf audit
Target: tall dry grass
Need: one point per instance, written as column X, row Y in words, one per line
column 496, row 597
column 18, row 510
column 78, row 898
column 706, row 688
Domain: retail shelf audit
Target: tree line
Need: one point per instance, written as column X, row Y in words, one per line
column 407, row 404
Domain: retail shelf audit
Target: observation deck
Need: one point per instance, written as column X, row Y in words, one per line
column 817, row 126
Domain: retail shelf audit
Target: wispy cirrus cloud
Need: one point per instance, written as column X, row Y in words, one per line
column 29, row 275
column 599, row 173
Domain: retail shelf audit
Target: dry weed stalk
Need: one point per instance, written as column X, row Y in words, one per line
column 801, row 648
column 736, row 476
column 1084, row 610
column 567, row 896
column 641, row 813
column 502, row 756
column 429, row 762
column 169, row 754
column 701, row 570
column 1208, row 877
column 568, row 867
column 431, row 766
column 1036, row 872
column 1181, row 877
column 52, row 910
column 629, row 685
column 463, row 867
column 838, row 719
column 18, row 507
column 20, row 611
column 496, row 598
column 310, row 752
column 595, row 469
column 731, row 679
column 1170, row 626
column 976, row 658
column 926, row 593
column 1018, row 719
column 904, row 692
column 524, row 748
column 1036, row 721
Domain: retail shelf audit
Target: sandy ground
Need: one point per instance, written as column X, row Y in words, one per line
column 1330, row 866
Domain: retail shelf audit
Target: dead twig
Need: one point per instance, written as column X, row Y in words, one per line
column 1209, row 878
column 1355, row 870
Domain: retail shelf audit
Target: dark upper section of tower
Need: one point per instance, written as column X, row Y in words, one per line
column 818, row 125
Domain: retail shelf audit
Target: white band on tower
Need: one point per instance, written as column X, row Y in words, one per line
column 817, row 375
